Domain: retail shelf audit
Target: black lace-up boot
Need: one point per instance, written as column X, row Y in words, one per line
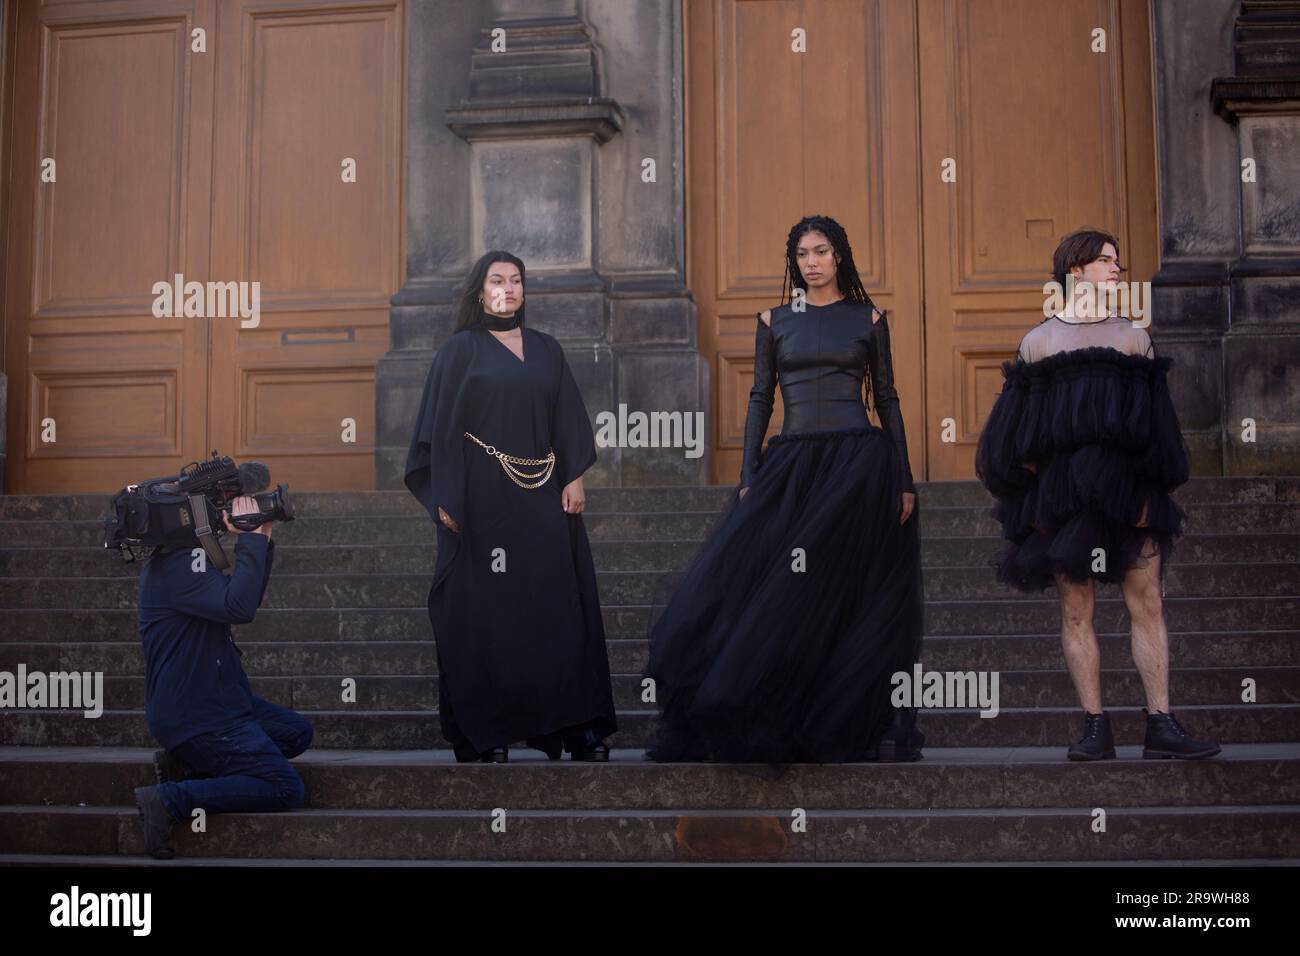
column 1097, row 743
column 1166, row 738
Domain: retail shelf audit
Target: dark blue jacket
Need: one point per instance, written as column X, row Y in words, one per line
column 194, row 682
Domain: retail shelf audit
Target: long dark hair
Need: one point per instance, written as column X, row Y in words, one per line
column 469, row 310
column 846, row 271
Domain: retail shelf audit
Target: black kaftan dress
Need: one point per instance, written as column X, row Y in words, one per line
column 513, row 603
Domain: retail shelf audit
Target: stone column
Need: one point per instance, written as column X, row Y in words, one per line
column 1261, row 101
column 440, row 37
column 543, row 154
column 1198, row 217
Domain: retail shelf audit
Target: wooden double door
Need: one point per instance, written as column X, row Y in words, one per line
column 955, row 140
column 226, row 163
column 213, row 141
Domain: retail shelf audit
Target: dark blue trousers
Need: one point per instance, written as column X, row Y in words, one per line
column 246, row 767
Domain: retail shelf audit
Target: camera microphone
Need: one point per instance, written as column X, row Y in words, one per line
column 254, row 476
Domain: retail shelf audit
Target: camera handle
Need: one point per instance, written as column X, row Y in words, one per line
column 199, row 507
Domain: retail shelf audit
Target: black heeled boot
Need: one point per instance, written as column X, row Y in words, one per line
column 1097, row 743
column 1166, row 739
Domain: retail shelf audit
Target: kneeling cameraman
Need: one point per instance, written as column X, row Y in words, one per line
column 197, row 699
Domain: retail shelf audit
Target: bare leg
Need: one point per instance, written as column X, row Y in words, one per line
column 1079, row 640
column 1150, row 638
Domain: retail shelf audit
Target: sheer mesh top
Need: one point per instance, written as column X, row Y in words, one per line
column 1061, row 335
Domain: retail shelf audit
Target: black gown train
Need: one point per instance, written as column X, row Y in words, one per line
column 780, row 638
column 521, row 652
column 1087, row 403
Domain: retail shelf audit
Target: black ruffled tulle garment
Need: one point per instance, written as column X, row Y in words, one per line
column 1100, row 426
column 780, row 639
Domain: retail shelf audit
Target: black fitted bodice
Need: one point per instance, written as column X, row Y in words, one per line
column 819, row 356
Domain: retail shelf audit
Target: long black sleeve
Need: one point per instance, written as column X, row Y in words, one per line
column 881, row 366
column 760, row 400
column 435, row 463
column 571, row 433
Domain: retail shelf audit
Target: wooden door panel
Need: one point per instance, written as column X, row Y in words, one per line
column 1043, row 143
column 110, row 93
column 312, row 85
column 154, row 181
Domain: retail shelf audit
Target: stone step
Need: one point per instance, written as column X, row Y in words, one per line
column 403, row 730
column 1273, row 517
column 947, row 778
column 941, row 618
column 65, row 860
column 1028, row 615
column 850, row 835
column 936, row 552
column 1222, row 490
column 616, row 588
column 1037, row 688
column 343, row 657
column 348, row 600
column 1043, row 615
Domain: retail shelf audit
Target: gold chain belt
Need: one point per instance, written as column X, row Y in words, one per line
column 508, row 463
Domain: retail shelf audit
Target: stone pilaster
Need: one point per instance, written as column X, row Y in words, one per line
column 537, row 135
column 1198, row 217
column 1261, row 101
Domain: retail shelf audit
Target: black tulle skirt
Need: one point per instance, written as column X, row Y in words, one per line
column 1079, row 518
column 1101, row 429
column 779, row 640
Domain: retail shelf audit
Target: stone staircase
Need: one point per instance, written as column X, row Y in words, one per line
column 347, row 599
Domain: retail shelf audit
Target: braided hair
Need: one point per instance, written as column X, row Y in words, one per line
column 846, row 271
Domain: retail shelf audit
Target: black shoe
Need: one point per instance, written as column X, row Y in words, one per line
column 1166, row 739
column 893, row 751
column 591, row 748
column 465, row 753
column 495, row 755
column 597, row 753
column 1097, row 743
column 167, row 768
column 156, row 822
column 551, row 745
column 902, row 742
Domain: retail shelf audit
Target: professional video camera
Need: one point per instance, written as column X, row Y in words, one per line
column 180, row 511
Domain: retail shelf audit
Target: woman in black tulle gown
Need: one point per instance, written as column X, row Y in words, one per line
column 779, row 643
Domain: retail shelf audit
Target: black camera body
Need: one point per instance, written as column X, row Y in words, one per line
column 184, row 511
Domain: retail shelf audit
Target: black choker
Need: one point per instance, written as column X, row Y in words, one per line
column 500, row 323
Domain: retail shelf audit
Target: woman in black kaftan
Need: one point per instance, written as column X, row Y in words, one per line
column 513, row 603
